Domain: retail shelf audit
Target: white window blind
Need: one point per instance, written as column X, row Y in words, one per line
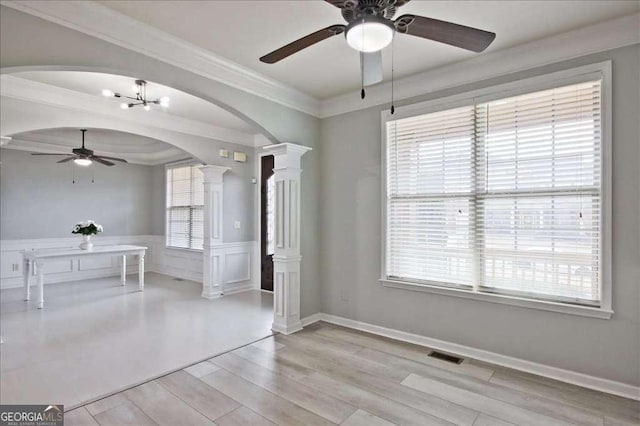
column 185, row 207
column 501, row 197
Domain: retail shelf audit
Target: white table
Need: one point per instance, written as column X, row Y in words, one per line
column 39, row 258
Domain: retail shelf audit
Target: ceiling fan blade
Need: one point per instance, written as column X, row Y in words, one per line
column 371, row 67
column 122, row 160
column 101, row 161
column 302, row 43
column 445, row 32
column 64, row 160
column 43, row 153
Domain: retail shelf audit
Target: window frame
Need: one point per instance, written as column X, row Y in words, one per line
column 602, row 71
column 173, row 165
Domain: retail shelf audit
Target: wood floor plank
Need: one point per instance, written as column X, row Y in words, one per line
column 201, row 369
column 124, row 414
column 243, row 417
column 349, row 372
column 484, row 420
column 319, row 403
column 79, row 417
column 263, row 402
column 164, row 407
column 105, row 404
column 338, row 360
column 535, row 403
column 583, row 398
column 481, row 403
column 269, row 344
column 405, row 350
column 373, row 403
column 362, row 418
column 198, row 394
column 257, row 356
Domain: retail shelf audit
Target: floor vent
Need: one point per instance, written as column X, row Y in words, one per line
column 446, row 357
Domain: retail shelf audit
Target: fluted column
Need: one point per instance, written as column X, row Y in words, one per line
column 287, row 256
column 213, row 258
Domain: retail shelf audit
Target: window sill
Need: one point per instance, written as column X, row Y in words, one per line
column 564, row 308
column 184, row 249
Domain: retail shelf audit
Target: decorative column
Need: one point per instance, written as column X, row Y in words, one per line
column 213, row 260
column 286, row 258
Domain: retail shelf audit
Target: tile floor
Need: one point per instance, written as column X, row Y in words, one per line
column 96, row 337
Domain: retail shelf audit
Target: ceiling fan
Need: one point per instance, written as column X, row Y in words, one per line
column 84, row 157
column 370, row 28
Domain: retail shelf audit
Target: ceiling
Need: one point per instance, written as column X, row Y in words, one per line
column 182, row 104
column 242, row 31
column 133, row 148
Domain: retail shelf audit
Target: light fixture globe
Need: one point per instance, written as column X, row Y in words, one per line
column 369, row 34
column 83, row 162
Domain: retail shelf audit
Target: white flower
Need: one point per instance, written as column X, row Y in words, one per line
column 99, row 228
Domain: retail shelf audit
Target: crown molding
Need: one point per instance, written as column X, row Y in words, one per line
column 32, row 91
column 114, row 27
column 596, row 38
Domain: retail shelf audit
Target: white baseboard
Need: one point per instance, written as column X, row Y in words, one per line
column 568, row 376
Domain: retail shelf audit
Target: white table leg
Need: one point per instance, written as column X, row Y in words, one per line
column 141, row 272
column 123, row 271
column 40, row 286
column 26, row 272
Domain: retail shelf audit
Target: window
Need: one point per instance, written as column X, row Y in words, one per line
column 500, row 196
column 185, row 207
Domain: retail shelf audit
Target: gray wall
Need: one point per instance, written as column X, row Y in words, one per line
column 351, row 206
column 39, row 200
column 125, row 199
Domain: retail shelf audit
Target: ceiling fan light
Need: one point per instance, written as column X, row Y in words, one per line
column 164, row 101
column 147, row 107
column 108, row 93
column 369, row 35
column 84, row 162
column 124, row 105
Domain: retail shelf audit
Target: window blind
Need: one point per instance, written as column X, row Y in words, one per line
column 185, row 207
column 502, row 196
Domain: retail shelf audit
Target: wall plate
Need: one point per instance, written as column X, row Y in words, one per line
column 224, row 153
column 240, row 157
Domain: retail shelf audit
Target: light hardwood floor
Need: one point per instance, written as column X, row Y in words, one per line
column 327, row 375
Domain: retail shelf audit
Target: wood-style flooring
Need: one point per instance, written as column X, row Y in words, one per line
column 327, row 375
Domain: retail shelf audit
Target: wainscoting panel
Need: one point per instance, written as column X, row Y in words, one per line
column 242, row 263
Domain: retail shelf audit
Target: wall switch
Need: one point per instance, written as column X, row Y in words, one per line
column 236, row 224
column 224, row 153
column 240, row 157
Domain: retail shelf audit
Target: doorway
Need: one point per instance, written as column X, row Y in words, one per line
column 267, row 221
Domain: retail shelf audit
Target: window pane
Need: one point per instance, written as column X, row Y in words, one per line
column 542, row 245
column 185, row 201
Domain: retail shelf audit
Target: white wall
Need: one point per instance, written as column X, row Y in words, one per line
column 350, row 196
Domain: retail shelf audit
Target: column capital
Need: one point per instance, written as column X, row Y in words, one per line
column 213, row 174
column 286, row 149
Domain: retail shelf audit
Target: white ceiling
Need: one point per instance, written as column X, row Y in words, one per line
column 133, row 148
column 242, row 31
column 182, row 104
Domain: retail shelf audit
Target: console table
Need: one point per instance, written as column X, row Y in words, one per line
column 39, row 258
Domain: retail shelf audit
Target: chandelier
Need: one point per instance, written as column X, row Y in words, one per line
column 140, row 89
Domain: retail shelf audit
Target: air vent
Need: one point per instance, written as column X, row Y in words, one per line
column 446, row 357
column 178, row 279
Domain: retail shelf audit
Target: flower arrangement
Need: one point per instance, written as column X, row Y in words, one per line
column 87, row 228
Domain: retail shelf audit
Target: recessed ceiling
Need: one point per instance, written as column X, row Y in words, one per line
column 182, row 104
column 242, row 31
column 134, row 148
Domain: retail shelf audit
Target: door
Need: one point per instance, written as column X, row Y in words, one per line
column 267, row 222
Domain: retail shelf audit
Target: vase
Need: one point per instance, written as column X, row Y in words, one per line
column 86, row 243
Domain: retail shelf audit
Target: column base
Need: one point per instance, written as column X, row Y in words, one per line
column 212, row 295
column 287, row 329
